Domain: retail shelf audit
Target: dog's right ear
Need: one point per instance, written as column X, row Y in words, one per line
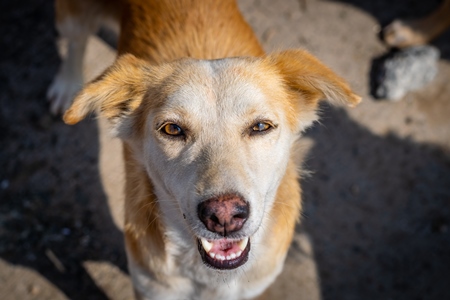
column 117, row 93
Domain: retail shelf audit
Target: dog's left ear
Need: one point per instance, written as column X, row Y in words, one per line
column 311, row 81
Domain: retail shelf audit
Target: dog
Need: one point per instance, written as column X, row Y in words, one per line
column 407, row 33
column 209, row 123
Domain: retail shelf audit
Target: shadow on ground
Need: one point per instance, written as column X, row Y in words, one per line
column 377, row 210
column 385, row 11
column 53, row 212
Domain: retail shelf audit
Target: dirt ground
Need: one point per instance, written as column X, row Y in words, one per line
column 376, row 200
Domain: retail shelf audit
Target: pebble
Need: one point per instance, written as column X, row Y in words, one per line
column 405, row 70
column 34, row 290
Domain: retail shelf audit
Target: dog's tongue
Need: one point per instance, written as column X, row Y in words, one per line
column 224, row 245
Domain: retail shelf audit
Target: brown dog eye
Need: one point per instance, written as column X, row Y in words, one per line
column 172, row 129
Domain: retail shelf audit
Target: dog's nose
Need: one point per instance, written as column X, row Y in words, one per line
column 223, row 215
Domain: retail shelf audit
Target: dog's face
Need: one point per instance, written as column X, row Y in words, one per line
column 216, row 145
column 214, row 137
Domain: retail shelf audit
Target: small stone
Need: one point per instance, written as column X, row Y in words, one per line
column 34, row 290
column 402, row 71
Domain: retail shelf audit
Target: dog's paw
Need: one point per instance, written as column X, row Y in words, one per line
column 61, row 92
column 402, row 34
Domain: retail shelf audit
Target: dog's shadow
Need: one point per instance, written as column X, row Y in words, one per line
column 377, row 212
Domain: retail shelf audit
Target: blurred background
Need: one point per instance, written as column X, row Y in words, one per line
column 376, row 195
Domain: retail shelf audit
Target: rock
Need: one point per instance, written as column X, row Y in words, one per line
column 398, row 72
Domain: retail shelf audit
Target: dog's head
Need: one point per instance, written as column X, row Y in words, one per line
column 214, row 136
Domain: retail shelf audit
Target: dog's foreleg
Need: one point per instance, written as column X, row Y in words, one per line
column 406, row 33
column 74, row 26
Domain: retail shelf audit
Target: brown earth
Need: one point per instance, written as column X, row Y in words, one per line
column 377, row 197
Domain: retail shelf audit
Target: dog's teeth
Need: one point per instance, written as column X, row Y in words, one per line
column 243, row 244
column 206, row 245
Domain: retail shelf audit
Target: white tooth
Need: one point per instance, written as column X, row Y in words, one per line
column 228, row 257
column 212, row 254
column 243, row 244
column 221, row 257
column 206, row 245
column 238, row 254
column 233, row 255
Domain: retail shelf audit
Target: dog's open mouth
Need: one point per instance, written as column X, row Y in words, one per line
column 224, row 254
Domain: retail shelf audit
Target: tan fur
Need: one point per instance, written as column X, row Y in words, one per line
column 157, row 45
column 143, row 230
column 161, row 31
column 407, row 33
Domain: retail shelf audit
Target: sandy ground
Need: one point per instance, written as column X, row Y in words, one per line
column 377, row 200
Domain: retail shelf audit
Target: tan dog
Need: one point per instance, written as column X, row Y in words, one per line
column 208, row 124
column 421, row 31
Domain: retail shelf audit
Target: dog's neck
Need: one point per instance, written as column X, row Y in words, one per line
column 193, row 23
